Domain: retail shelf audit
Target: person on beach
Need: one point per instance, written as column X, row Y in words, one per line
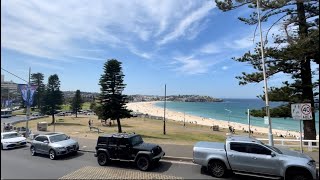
column 89, row 122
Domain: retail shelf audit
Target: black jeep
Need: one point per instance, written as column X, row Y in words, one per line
column 130, row 147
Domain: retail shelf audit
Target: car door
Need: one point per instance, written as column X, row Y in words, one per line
column 45, row 146
column 124, row 149
column 112, row 147
column 261, row 161
column 37, row 142
column 238, row 157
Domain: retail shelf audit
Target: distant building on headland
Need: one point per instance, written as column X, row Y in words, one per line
column 176, row 98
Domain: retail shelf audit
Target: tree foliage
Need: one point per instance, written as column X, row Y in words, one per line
column 76, row 102
column 37, row 79
column 53, row 97
column 112, row 101
column 290, row 53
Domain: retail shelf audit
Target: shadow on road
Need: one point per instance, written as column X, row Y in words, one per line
column 159, row 168
column 232, row 176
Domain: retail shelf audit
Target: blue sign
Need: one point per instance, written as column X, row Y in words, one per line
column 27, row 93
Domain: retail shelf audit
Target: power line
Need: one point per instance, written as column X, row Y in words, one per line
column 14, row 75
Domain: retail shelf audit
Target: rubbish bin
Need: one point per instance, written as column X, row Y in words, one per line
column 42, row 126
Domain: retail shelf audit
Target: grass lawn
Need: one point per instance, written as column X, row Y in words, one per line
column 150, row 129
column 67, row 107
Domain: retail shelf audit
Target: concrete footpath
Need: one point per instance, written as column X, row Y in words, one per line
column 173, row 151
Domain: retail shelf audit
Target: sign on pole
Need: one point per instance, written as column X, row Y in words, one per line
column 301, row 111
column 266, row 120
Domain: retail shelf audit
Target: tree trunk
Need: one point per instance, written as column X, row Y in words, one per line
column 76, row 114
column 306, row 77
column 53, row 120
column 119, row 125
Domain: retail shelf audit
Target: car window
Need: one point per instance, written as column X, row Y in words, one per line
column 45, row 138
column 112, row 141
column 136, row 140
column 258, row 149
column 102, row 140
column 240, row 147
column 123, row 141
column 39, row 138
column 57, row 138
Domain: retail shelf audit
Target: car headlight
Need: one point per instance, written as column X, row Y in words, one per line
column 312, row 163
column 61, row 148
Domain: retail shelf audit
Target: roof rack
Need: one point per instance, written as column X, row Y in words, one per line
column 122, row 135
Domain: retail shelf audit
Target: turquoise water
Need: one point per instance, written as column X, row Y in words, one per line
column 238, row 109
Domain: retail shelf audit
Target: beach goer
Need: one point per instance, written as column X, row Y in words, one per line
column 89, row 122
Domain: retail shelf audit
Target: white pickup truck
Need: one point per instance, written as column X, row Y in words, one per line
column 249, row 156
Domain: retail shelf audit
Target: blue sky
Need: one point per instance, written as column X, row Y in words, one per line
column 185, row 44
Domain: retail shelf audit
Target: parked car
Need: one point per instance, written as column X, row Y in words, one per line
column 53, row 144
column 249, row 156
column 11, row 140
column 130, row 147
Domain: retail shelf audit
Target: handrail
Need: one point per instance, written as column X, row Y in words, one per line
column 310, row 143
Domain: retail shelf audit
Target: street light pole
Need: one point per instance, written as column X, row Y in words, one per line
column 164, row 112
column 270, row 135
column 28, row 106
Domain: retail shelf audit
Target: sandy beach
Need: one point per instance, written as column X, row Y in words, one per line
column 150, row 109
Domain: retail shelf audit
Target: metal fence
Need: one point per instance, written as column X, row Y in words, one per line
column 310, row 144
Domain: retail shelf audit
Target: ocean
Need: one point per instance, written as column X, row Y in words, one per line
column 234, row 110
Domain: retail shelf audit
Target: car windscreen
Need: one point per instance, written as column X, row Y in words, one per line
column 274, row 149
column 136, row 140
column 57, row 138
column 8, row 136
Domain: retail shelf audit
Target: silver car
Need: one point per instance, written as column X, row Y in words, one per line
column 53, row 144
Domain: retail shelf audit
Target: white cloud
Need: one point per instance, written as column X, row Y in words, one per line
column 182, row 27
column 211, row 48
column 240, row 43
column 190, row 65
column 225, row 67
column 55, row 29
column 44, row 65
column 89, row 58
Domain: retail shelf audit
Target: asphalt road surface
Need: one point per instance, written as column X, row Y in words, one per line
column 19, row 164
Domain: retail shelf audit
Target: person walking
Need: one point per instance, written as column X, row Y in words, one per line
column 89, row 122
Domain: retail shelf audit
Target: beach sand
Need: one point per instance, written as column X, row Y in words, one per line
column 150, row 109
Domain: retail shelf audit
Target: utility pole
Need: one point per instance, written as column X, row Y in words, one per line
column 249, row 121
column 164, row 114
column 28, row 105
column 270, row 135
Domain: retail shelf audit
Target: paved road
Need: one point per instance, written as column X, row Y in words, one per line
column 19, row 164
column 170, row 149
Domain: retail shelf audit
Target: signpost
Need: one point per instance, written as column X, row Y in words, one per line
column 301, row 111
column 266, row 120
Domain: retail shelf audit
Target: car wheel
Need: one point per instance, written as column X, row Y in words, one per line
column 33, row 151
column 102, row 159
column 217, row 169
column 143, row 163
column 52, row 154
column 300, row 177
